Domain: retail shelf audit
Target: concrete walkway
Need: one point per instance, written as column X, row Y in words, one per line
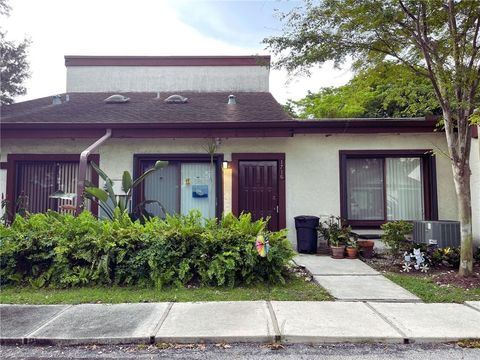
column 353, row 280
column 255, row 321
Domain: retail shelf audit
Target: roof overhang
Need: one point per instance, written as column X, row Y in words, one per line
column 216, row 129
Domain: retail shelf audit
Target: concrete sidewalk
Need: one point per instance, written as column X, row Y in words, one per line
column 353, row 280
column 256, row 321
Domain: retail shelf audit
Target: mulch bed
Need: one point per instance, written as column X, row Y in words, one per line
column 441, row 275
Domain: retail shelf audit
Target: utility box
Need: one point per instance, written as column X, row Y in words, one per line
column 440, row 233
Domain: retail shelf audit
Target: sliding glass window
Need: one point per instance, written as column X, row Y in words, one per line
column 380, row 188
column 185, row 184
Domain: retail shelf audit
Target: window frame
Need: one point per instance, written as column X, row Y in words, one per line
column 138, row 159
column 429, row 176
column 12, row 176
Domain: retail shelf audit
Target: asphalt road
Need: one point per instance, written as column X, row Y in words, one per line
column 244, row 351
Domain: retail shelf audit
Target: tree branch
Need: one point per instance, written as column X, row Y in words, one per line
column 475, row 47
column 394, row 54
column 406, row 11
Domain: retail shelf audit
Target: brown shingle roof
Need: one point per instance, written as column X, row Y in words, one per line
column 89, row 108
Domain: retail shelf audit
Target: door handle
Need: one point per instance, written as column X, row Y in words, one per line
column 277, row 209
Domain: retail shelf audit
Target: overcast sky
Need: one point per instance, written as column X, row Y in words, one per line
column 151, row 27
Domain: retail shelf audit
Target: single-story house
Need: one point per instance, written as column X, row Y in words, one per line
column 230, row 146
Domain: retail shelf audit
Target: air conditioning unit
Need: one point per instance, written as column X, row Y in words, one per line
column 440, row 233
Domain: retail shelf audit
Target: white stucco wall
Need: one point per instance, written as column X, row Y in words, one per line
column 312, row 163
column 475, row 186
column 227, row 190
column 167, row 78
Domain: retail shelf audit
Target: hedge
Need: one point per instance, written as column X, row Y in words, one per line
column 56, row 250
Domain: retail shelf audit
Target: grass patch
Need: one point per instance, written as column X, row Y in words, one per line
column 427, row 290
column 295, row 289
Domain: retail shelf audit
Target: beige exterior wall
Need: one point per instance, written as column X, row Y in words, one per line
column 475, row 186
column 167, row 78
column 312, row 163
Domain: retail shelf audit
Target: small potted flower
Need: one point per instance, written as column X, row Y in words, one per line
column 336, row 236
column 336, row 246
column 352, row 247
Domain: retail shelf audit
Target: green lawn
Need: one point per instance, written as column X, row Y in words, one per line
column 295, row 289
column 430, row 292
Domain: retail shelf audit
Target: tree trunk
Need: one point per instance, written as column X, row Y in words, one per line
column 462, row 186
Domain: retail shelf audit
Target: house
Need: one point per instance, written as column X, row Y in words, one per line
column 229, row 144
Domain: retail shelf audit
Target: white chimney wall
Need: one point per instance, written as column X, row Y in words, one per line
column 167, row 78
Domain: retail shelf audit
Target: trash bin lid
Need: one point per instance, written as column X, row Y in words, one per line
column 306, row 217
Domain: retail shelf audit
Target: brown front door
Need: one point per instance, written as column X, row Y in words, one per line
column 258, row 190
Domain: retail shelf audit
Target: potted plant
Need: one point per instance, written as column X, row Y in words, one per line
column 352, row 247
column 336, row 236
column 365, row 248
column 336, row 247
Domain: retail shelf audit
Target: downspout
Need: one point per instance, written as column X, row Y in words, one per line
column 82, row 171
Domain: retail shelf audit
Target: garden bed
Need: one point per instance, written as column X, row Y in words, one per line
column 440, row 284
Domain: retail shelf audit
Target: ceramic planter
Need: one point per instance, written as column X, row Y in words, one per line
column 352, row 252
column 338, row 252
column 366, row 248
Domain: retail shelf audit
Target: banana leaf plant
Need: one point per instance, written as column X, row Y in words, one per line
column 109, row 202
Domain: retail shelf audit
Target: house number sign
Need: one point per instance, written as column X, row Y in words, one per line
column 281, row 170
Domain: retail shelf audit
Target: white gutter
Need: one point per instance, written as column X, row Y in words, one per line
column 82, row 170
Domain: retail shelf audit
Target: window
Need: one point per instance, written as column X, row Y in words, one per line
column 383, row 186
column 188, row 182
column 33, row 180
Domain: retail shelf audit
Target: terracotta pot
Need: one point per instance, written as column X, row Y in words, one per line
column 338, row 252
column 366, row 248
column 352, row 252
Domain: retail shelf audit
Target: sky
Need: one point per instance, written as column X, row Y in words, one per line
column 152, row 27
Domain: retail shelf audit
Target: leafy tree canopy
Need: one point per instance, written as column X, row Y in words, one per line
column 386, row 90
column 437, row 39
column 13, row 64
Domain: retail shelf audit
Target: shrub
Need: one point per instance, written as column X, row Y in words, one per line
column 62, row 251
column 445, row 256
column 435, row 256
column 393, row 236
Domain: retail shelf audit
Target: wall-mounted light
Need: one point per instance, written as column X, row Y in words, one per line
column 226, row 164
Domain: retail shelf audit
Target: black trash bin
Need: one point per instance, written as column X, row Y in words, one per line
column 307, row 237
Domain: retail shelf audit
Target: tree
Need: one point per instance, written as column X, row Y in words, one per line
column 436, row 39
column 386, row 90
column 13, row 64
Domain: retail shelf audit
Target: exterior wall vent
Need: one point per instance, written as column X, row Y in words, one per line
column 176, row 99
column 116, row 99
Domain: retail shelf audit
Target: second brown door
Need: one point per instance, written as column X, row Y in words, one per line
column 258, row 190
